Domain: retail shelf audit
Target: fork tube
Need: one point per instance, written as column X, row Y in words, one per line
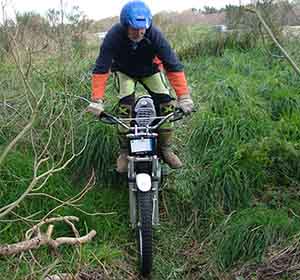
column 132, row 204
column 155, row 187
column 132, row 192
column 155, row 215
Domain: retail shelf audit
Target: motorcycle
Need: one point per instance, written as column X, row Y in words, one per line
column 144, row 171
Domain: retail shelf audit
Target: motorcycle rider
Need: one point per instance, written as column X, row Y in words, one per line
column 136, row 51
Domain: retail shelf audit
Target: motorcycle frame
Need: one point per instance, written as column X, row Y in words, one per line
column 156, row 172
column 155, row 181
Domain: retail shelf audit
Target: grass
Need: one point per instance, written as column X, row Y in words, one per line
column 247, row 234
column 100, row 153
column 241, row 152
column 233, row 116
column 205, row 41
column 110, row 228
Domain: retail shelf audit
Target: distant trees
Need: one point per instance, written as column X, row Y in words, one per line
column 282, row 12
column 60, row 29
column 276, row 13
column 72, row 25
column 210, row 10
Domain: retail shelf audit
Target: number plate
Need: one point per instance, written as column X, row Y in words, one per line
column 141, row 145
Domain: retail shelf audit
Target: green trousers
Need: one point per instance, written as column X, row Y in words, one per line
column 155, row 85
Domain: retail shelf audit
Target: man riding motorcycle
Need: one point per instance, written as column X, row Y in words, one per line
column 136, row 51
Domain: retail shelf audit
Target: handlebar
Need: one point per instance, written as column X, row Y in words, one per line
column 107, row 118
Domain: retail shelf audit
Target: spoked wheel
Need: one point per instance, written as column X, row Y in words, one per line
column 144, row 234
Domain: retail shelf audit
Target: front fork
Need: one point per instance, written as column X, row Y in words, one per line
column 155, row 180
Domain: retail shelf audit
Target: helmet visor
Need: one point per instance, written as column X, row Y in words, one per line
column 139, row 22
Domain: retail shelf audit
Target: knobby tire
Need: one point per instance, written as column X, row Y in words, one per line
column 144, row 235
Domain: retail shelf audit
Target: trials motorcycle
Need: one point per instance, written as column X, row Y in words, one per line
column 144, row 171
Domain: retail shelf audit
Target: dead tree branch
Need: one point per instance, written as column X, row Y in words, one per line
column 62, row 276
column 41, row 238
column 18, row 137
column 34, row 104
column 274, row 39
column 39, row 180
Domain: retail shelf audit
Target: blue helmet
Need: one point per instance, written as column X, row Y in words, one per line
column 136, row 14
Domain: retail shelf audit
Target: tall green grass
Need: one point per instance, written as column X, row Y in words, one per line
column 234, row 115
column 247, row 235
column 110, row 228
column 241, row 150
column 205, row 41
column 99, row 155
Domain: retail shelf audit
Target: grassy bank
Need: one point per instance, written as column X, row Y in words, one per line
column 235, row 199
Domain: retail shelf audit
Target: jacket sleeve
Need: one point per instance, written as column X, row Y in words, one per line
column 178, row 82
column 172, row 65
column 102, row 67
column 98, row 85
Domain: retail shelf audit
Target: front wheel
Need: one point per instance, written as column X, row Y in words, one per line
column 144, row 234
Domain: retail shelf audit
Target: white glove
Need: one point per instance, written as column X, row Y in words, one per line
column 185, row 103
column 96, row 108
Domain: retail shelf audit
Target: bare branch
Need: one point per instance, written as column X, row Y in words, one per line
column 49, row 221
column 36, row 242
column 73, row 240
column 62, row 276
column 20, row 218
column 75, row 231
column 24, row 130
column 16, row 57
column 6, row 209
column 269, row 31
column 36, row 179
column 18, row 137
column 46, row 238
column 71, row 202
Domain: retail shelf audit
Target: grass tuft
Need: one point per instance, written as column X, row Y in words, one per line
column 247, row 235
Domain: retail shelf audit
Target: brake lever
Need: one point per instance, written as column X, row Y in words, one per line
column 107, row 118
column 178, row 115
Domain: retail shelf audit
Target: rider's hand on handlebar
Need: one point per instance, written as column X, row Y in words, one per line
column 185, row 103
column 96, row 107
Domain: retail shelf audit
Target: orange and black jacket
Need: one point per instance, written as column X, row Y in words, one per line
column 137, row 60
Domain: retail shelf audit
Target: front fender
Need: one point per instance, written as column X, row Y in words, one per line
column 143, row 182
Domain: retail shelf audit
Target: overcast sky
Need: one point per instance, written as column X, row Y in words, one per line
column 97, row 9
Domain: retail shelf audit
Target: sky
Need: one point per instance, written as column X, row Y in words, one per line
column 98, row 9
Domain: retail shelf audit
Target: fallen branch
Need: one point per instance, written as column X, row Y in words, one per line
column 62, row 276
column 46, row 238
column 35, row 229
